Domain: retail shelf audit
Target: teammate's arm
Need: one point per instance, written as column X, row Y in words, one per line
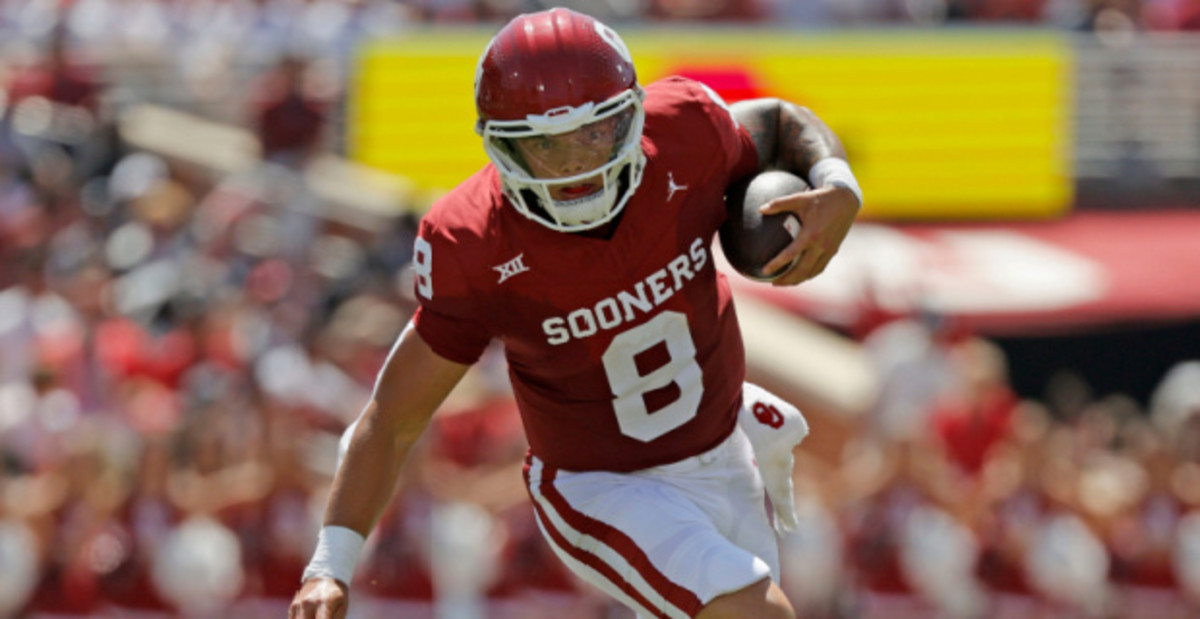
column 790, row 137
column 413, row 383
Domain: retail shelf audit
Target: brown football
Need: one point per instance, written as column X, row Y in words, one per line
column 750, row 239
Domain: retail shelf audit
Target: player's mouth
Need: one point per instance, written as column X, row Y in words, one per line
column 573, row 194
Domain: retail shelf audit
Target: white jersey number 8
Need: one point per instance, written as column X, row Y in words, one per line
column 629, row 385
column 422, row 265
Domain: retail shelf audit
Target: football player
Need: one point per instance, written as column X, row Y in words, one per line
column 584, row 248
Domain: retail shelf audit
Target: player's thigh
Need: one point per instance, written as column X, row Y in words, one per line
column 727, row 486
column 641, row 541
column 763, row 599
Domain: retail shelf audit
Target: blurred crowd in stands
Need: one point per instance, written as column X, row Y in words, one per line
column 200, row 28
column 181, row 348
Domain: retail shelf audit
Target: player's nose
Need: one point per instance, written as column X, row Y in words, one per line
column 575, row 161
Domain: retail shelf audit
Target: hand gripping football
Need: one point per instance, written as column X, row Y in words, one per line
column 749, row 238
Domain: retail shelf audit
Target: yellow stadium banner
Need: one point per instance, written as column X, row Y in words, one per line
column 939, row 125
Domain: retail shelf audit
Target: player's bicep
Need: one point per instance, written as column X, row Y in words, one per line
column 760, row 119
column 787, row 136
column 414, row 381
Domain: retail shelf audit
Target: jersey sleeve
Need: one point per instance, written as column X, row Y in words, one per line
column 741, row 156
column 447, row 316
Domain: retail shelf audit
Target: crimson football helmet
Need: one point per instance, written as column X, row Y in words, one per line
column 561, row 78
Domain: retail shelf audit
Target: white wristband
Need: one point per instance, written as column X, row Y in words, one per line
column 336, row 555
column 834, row 171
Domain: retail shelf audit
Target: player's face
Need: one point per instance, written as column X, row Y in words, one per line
column 571, row 154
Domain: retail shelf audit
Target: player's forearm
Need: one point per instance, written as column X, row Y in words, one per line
column 412, row 385
column 787, row 136
column 363, row 485
column 414, row 382
column 366, row 479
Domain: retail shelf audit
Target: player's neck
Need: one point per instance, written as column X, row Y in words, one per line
column 605, row 232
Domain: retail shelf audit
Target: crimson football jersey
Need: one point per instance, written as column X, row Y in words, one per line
column 623, row 353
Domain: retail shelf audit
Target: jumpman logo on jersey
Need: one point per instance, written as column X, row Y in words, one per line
column 512, row 267
column 672, row 187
